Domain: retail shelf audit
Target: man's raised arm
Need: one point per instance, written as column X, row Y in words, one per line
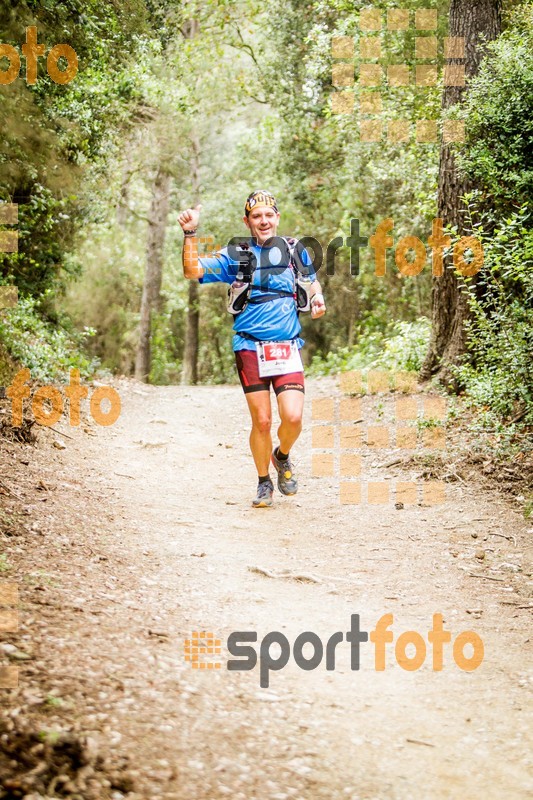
column 189, row 220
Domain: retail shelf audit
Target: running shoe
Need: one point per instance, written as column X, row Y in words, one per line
column 287, row 483
column 263, row 498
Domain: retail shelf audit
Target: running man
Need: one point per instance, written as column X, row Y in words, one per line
column 270, row 315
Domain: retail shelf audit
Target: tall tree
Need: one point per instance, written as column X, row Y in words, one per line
column 52, row 133
column 476, row 23
column 151, row 296
column 189, row 372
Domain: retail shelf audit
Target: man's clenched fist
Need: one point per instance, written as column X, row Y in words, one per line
column 190, row 218
column 318, row 305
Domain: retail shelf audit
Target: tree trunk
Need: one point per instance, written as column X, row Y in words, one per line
column 126, row 173
column 189, row 372
column 151, row 298
column 474, row 21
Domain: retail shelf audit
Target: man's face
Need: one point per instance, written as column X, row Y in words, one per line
column 262, row 222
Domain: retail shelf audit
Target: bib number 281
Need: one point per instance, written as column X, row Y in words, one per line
column 278, row 358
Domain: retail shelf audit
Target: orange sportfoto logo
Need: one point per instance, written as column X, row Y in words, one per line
column 31, row 50
column 47, row 401
column 202, row 644
column 410, row 650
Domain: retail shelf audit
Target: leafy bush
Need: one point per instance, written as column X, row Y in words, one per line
column 402, row 348
column 165, row 364
column 48, row 351
column 499, row 377
column 498, row 112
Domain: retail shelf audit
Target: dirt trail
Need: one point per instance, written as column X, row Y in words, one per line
column 147, row 534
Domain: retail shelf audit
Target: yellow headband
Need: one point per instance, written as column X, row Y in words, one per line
column 260, row 198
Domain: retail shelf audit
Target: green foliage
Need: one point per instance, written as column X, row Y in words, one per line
column 428, row 424
column 498, row 111
column 51, row 132
column 8, row 367
column 108, row 295
column 5, row 566
column 165, row 349
column 329, row 176
column 499, row 375
column 217, row 362
column 406, row 348
column 402, row 348
column 51, row 135
column 54, row 702
column 197, row 112
column 48, row 351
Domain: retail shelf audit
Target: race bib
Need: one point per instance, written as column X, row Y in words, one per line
column 278, row 358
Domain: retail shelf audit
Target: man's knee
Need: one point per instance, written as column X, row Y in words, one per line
column 292, row 417
column 262, row 423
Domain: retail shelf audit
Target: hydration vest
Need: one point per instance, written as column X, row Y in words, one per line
column 239, row 293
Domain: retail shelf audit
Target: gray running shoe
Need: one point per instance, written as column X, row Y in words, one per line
column 287, row 483
column 263, row 498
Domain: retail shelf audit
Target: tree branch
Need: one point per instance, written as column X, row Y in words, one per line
column 244, row 46
column 257, row 100
column 134, row 213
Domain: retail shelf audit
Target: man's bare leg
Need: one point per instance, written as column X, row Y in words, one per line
column 260, row 436
column 290, row 406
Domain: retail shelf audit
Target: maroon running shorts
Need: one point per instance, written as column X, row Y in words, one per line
column 251, row 381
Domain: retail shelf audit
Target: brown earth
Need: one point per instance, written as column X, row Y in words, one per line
column 132, row 537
